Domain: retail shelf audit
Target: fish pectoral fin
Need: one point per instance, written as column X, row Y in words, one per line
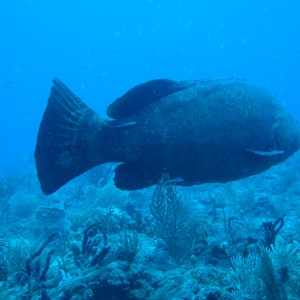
column 133, row 176
column 265, row 153
column 142, row 95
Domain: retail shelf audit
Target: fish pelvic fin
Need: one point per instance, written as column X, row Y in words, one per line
column 67, row 139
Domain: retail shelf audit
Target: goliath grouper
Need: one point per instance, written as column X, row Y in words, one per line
column 196, row 131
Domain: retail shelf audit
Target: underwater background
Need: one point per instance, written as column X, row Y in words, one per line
column 92, row 241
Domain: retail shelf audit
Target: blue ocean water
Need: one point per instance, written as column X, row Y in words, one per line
column 103, row 48
column 90, row 240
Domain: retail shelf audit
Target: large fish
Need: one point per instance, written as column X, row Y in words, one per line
column 215, row 130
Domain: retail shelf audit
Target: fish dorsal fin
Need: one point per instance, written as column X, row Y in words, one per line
column 144, row 94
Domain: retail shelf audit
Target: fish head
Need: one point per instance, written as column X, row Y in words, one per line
column 274, row 145
column 286, row 133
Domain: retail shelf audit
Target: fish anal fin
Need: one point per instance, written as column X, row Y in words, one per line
column 129, row 176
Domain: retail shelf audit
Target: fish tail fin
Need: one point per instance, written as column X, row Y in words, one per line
column 67, row 139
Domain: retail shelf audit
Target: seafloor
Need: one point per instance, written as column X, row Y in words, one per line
column 92, row 241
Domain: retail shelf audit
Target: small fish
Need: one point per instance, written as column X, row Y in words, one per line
column 214, row 130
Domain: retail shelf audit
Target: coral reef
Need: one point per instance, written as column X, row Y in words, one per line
column 238, row 240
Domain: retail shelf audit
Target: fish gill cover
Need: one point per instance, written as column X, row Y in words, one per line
column 178, row 239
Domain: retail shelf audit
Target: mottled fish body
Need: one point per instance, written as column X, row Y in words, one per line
column 199, row 131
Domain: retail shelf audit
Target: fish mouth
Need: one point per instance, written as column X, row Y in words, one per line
column 285, row 133
column 287, row 138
